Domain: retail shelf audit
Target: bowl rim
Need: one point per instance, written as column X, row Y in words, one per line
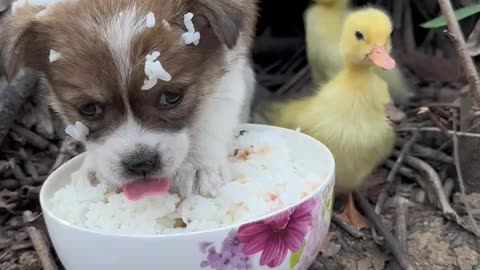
column 327, row 180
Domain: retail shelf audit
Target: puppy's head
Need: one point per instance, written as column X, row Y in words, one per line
column 98, row 77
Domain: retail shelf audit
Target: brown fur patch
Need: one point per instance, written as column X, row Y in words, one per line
column 87, row 71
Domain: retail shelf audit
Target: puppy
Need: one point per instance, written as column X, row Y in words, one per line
column 178, row 130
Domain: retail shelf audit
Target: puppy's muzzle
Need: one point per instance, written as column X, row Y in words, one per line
column 142, row 162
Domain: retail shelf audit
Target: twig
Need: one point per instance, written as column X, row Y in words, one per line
column 401, row 221
column 10, row 184
column 442, row 202
column 391, row 176
column 448, row 186
column 436, row 121
column 20, row 175
column 433, row 129
column 21, row 246
column 40, row 244
column 456, row 156
column 393, row 243
column 422, row 151
column 31, row 137
column 460, row 45
column 345, row 226
column 403, row 171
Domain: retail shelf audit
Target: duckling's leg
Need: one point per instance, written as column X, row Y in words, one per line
column 352, row 216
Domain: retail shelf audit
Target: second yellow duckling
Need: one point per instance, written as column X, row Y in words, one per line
column 323, row 26
column 348, row 114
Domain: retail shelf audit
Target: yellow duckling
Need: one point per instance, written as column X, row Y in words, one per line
column 348, row 114
column 323, row 26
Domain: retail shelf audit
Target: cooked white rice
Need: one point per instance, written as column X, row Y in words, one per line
column 265, row 179
column 78, row 131
column 54, row 56
column 191, row 36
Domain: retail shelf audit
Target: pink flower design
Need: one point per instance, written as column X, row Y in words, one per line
column 275, row 236
column 314, row 243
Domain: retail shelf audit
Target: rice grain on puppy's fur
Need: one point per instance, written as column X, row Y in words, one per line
column 98, row 79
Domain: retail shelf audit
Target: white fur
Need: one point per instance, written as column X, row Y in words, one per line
column 107, row 155
column 212, row 134
column 118, row 32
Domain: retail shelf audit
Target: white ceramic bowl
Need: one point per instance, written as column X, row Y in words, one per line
column 275, row 240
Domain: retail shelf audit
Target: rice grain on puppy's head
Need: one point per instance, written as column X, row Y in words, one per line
column 97, row 79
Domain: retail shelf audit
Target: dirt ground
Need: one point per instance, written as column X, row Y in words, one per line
column 433, row 244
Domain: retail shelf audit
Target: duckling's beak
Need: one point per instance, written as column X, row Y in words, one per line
column 380, row 57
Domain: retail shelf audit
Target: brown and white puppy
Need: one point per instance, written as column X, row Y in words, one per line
column 179, row 129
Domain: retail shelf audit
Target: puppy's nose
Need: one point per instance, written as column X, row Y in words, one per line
column 141, row 162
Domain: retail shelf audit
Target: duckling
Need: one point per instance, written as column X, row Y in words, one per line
column 323, row 26
column 349, row 113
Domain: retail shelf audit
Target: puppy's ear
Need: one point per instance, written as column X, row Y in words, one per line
column 28, row 49
column 225, row 17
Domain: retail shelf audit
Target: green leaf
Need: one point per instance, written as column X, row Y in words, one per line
column 295, row 257
column 460, row 14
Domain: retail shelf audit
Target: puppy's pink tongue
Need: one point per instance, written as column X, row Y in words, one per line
column 149, row 187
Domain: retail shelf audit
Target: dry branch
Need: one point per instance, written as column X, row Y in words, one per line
column 433, row 129
column 401, row 221
column 346, row 227
column 461, row 183
column 400, row 255
column 460, row 44
column 391, row 176
column 40, row 244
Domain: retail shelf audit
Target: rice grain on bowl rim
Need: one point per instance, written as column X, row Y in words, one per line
column 110, row 250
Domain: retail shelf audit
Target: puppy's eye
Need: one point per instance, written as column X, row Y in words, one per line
column 359, row 35
column 169, row 100
column 91, row 110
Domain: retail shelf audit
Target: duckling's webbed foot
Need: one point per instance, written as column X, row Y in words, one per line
column 351, row 215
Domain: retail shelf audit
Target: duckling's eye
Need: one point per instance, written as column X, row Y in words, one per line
column 359, row 35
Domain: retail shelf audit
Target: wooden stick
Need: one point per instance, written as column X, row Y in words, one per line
column 401, row 221
column 426, row 152
column 433, row 129
column 432, row 177
column 393, row 173
column 460, row 45
column 31, row 137
column 456, row 157
column 398, row 253
column 40, row 244
column 346, row 227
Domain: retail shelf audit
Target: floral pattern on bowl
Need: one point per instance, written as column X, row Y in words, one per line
column 288, row 240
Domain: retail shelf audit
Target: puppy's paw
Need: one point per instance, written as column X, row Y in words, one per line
column 209, row 179
column 201, row 177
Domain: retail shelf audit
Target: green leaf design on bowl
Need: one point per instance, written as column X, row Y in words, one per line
column 295, row 256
